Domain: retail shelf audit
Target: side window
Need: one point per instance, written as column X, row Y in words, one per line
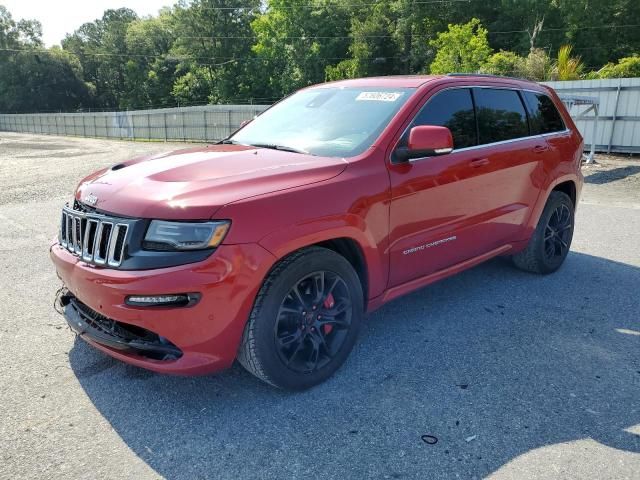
column 452, row 109
column 543, row 114
column 501, row 115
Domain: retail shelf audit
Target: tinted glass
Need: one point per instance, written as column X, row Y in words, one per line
column 501, row 115
column 452, row 109
column 543, row 114
column 332, row 122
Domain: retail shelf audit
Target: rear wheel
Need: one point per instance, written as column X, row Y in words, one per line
column 304, row 321
column 551, row 241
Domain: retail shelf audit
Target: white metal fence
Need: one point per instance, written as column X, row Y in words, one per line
column 200, row 124
column 618, row 127
column 618, row 124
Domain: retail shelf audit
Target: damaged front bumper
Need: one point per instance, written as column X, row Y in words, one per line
column 91, row 325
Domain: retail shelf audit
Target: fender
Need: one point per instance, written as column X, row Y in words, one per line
column 536, row 212
column 286, row 241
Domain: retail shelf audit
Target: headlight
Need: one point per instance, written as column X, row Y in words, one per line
column 163, row 235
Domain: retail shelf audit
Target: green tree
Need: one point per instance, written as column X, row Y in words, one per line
column 343, row 70
column 537, row 66
column 35, row 79
column 568, row 67
column 151, row 72
column 601, row 31
column 375, row 48
column 295, row 42
column 503, row 63
column 259, row 50
column 102, row 49
column 194, row 86
column 625, row 68
column 462, row 48
column 24, row 33
column 213, row 41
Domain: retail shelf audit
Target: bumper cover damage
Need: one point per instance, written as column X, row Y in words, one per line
column 91, row 325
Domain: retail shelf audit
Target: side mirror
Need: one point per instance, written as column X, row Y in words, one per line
column 426, row 141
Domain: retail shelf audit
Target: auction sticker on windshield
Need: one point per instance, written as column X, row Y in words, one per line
column 378, row 96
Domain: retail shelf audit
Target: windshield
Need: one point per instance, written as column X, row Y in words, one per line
column 331, row 122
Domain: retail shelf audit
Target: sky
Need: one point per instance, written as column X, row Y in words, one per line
column 59, row 17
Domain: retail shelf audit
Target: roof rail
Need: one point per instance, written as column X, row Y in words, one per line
column 488, row 75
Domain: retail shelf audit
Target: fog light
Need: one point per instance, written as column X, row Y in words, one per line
column 176, row 300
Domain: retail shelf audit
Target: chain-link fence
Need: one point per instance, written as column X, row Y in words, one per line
column 193, row 124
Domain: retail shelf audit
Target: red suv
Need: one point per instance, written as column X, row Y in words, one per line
column 270, row 246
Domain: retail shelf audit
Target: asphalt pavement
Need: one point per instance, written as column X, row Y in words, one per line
column 492, row 373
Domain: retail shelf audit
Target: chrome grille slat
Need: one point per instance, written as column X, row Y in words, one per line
column 74, row 234
column 105, row 236
column 69, row 229
column 113, row 244
column 87, row 249
column 63, row 230
column 78, row 232
column 84, row 233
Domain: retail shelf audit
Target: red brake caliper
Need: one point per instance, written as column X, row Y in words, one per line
column 329, row 303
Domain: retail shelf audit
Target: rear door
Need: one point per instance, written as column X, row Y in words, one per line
column 516, row 162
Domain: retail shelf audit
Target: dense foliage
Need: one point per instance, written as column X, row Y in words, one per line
column 241, row 51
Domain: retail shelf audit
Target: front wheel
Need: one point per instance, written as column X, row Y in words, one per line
column 305, row 320
column 550, row 243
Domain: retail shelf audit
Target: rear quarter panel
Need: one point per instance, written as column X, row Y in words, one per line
column 562, row 164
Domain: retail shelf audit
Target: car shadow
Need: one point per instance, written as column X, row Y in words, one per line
column 492, row 363
column 608, row 176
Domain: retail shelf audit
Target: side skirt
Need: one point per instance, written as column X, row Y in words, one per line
column 405, row 288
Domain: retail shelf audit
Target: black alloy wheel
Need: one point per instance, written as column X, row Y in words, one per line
column 313, row 321
column 558, row 233
column 550, row 243
column 305, row 320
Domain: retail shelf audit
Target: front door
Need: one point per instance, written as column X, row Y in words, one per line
column 454, row 207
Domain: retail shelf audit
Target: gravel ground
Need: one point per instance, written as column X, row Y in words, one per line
column 517, row 376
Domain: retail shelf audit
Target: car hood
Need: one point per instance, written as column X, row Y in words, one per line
column 195, row 183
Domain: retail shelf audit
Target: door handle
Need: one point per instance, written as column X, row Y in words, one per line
column 540, row 149
column 480, row 162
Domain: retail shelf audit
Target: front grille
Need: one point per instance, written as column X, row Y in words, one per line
column 97, row 239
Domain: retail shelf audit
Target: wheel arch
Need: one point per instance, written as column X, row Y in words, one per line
column 568, row 187
column 569, row 184
column 352, row 252
column 351, row 243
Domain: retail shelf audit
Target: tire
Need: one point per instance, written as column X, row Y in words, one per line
column 305, row 320
column 551, row 240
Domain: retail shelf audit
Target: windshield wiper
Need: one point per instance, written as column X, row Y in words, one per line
column 283, row 148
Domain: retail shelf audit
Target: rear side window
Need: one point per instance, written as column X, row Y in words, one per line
column 501, row 115
column 452, row 109
column 543, row 114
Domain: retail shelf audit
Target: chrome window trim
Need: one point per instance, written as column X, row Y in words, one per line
column 484, row 145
